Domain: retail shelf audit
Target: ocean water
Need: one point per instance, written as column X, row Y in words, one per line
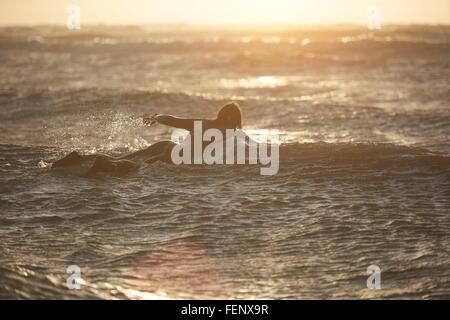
column 364, row 179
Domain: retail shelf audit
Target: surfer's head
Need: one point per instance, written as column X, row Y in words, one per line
column 230, row 116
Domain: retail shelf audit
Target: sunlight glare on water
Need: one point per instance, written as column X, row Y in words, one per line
column 258, row 82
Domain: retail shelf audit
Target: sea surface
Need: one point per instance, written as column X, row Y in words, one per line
column 364, row 178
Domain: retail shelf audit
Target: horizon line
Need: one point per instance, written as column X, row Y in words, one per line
column 230, row 25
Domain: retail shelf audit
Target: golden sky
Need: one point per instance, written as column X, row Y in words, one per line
column 29, row 12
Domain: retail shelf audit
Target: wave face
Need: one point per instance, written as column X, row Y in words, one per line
column 331, row 211
column 364, row 122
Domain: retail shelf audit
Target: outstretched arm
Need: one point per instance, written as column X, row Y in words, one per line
column 171, row 121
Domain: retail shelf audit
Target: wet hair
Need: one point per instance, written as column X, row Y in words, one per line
column 230, row 116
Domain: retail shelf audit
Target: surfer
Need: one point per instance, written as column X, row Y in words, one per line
column 228, row 117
